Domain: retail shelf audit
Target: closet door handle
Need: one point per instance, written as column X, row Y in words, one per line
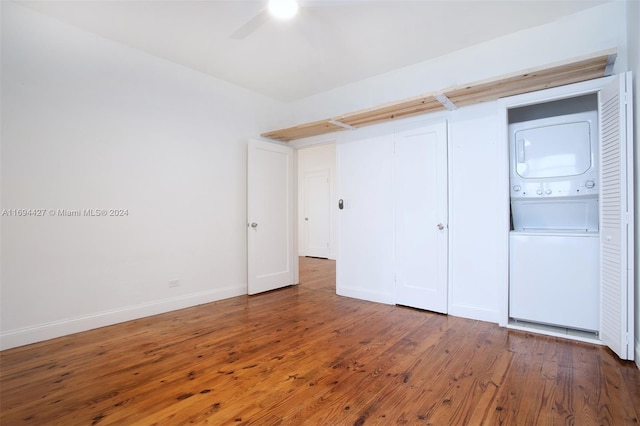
column 440, row 226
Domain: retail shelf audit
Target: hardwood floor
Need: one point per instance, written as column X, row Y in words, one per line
column 302, row 355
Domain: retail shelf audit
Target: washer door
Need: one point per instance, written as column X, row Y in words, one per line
column 554, row 279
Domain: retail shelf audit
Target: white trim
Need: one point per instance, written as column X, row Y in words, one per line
column 450, row 229
column 367, row 295
column 474, row 312
column 631, row 268
column 313, row 141
column 503, row 267
column 294, row 221
column 24, row 336
column 394, row 215
column 556, row 93
column 273, row 141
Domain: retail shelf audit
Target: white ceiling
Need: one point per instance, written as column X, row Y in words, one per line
column 329, row 44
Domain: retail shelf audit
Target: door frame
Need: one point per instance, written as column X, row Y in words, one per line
column 542, row 96
column 312, row 142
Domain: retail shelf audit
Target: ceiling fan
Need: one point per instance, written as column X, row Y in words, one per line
column 275, row 9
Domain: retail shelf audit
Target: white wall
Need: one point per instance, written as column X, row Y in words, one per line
column 321, row 157
column 90, row 124
column 478, row 223
column 633, row 17
column 592, row 30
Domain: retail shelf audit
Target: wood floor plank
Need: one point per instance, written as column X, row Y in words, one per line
column 464, row 382
column 369, row 372
column 303, row 355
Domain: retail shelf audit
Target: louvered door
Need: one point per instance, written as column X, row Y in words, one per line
column 616, row 217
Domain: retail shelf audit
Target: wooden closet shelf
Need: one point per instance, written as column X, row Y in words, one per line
column 575, row 70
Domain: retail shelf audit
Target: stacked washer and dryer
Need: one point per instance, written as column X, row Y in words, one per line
column 554, row 242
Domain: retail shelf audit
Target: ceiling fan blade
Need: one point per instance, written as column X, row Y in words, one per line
column 253, row 24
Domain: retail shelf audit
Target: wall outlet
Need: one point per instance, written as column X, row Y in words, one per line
column 174, row 283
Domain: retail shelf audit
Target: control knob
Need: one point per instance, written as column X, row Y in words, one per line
column 589, row 184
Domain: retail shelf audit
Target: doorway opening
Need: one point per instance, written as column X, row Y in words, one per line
column 317, row 273
column 317, row 211
column 553, row 163
column 317, row 216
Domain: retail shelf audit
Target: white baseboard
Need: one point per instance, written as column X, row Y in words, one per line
column 27, row 335
column 637, row 354
column 474, row 312
column 370, row 296
column 331, row 256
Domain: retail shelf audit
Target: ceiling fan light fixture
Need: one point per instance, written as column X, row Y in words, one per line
column 283, row 9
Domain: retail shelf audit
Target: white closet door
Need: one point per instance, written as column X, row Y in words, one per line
column 421, row 233
column 364, row 267
column 616, row 217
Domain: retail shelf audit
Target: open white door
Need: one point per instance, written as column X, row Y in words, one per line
column 270, row 216
column 616, row 217
column 421, row 243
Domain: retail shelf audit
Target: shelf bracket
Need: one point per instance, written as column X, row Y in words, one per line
column 341, row 124
column 611, row 60
column 446, row 102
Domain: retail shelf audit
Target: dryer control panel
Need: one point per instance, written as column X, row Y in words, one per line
column 528, row 189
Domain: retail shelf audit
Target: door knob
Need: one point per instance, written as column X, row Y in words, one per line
column 254, row 225
column 306, row 218
column 440, row 226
